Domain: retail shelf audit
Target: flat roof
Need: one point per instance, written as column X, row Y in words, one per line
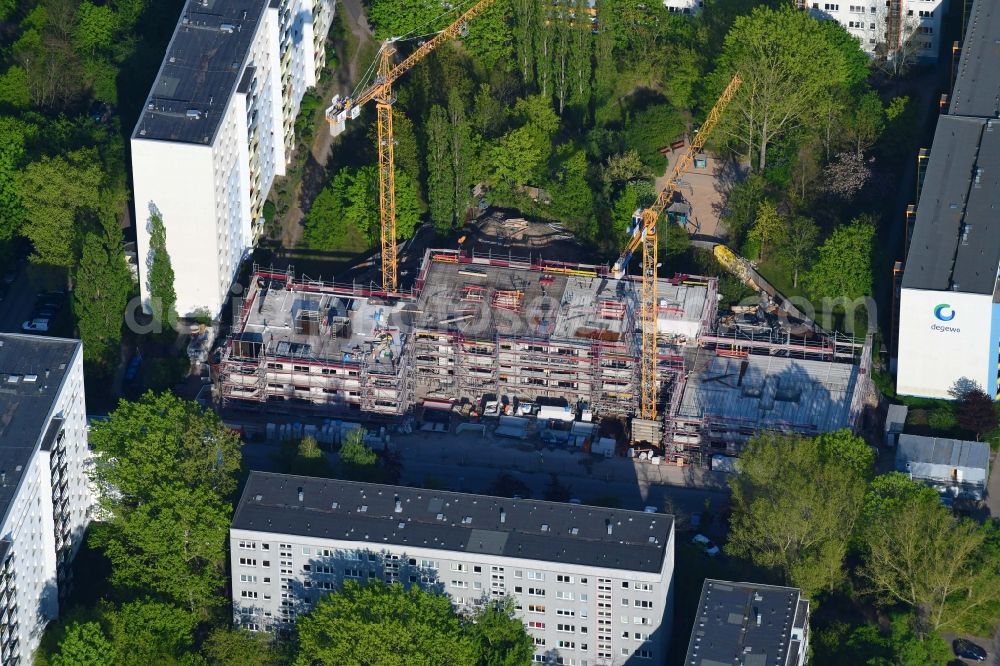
column 200, row 70
column 745, row 623
column 942, row 451
column 457, row 522
column 977, row 86
column 32, row 368
column 312, row 326
column 479, row 300
column 956, row 236
column 772, row 391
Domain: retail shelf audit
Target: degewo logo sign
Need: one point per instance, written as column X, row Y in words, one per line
column 944, row 312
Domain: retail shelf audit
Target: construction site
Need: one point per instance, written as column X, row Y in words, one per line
column 477, row 328
column 643, row 364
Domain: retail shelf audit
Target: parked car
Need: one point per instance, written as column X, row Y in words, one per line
column 694, row 522
column 45, row 311
column 35, row 326
column 968, row 650
column 705, row 544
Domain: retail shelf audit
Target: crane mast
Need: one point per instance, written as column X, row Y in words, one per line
column 348, row 108
column 644, row 235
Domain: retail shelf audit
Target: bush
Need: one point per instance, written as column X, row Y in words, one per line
column 651, row 129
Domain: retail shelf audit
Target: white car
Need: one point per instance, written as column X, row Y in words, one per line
column 705, row 544
column 35, row 326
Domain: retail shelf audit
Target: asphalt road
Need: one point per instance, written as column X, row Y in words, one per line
column 17, row 306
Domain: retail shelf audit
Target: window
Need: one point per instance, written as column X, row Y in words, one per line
column 460, row 584
column 536, row 608
column 566, row 628
column 429, row 564
column 539, row 658
column 644, row 654
column 477, row 569
column 583, row 597
column 246, row 578
column 643, row 603
column 565, row 612
column 536, row 591
column 641, row 620
column 536, row 575
column 459, row 567
column 568, row 596
column 564, row 579
column 496, row 569
column 535, row 624
column 518, row 573
column 567, row 645
column 831, row 7
column 640, row 637
column 307, row 551
column 643, row 587
column 247, row 562
column 625, row 584
column 477, row 585
column 248, row 594
column 247, row 545
column 624, row 602
column 538, row 640
column 925, row 30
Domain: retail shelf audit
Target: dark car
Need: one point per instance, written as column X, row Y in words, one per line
column 968, row 650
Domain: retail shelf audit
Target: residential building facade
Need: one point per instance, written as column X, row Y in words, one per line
column 749, row 624
column 908, row 29
column 949, row 300
column 45, row 495
column 593, row 586
column 217, row 129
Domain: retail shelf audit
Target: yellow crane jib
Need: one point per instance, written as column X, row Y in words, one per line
column 347, row 108
column 643, row 234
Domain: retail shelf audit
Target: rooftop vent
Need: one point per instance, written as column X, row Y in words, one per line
column 193, row 114
column 13, row 379
column 503, row 515
column 31, row 378
column 610, row 527
column 399, row 505
column 334, row 505
column 545, row 527
column 363, row 508
column 467, row 520
column 574, row 530
column 227, row 27
column 302, row 495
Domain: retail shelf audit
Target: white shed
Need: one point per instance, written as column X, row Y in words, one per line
column 944, row 462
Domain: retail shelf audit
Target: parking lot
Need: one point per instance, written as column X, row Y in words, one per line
column 22, row 302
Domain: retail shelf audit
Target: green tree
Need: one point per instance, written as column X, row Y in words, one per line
column 226, row 647
column 767, row 230
column 401, row 627
column 797, row 243
column 60, row 195
column 83, row 645
column 95, row 27
column 309, row 459
column 103, row 286
column 795, row 505
column 462, row 150
column 14, row 88
column 354, row 451
column 167, row 470
column 572, row 194
column 161, row 272
column 440, row 177
column 788, row 66
column 399, row 18
column 148, row 632
column 742, row 205
column 843, row 268
column 499, row 635
column 916, row 553
column 14, row 134
column 866, row 124
column 489, row 38
column 327, row 224
column 651, row 129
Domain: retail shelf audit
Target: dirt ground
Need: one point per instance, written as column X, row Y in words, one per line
column 705, row 189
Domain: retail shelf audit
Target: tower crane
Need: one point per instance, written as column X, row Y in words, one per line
column 348, row 108
column 643, row 232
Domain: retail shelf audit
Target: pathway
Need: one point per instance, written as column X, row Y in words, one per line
column 314, row 175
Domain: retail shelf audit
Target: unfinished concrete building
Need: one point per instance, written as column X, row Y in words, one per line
column 476, row 327
column 471, row 327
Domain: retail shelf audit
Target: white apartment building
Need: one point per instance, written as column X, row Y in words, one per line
column 594, row 586
column 218, row 127
column 909, row 28
column 45, row 496
column 912, row 27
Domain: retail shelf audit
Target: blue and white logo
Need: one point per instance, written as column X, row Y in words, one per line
column 944, row 312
